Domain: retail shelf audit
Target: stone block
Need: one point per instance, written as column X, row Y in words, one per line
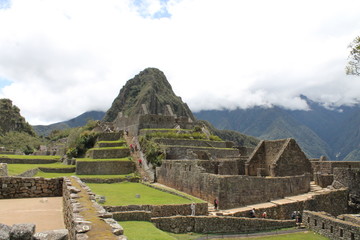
column 61, row 234
column 4, row 232
column 22, row 231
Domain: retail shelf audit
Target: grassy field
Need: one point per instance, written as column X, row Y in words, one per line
column 52, row 175
column 144, row 230
column 118, row 194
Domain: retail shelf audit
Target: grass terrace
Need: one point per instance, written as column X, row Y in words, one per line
column 53, row 175
column 16, row 169
column 122, row 194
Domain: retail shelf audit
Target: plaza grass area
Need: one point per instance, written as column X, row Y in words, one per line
column 121, row 194
column 308, row 235
column 53, row 175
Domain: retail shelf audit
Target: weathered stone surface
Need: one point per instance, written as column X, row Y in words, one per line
column 61, row 234
column 104, row 167
column 3, row 170
column 22, row 231
column 4, row 232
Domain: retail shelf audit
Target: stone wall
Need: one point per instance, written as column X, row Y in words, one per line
column 18, row 187
column 207, row 224
column 57, row 170
column 108, row 153
column 29, row 173
column 194, row 143
column 231, row 191
column 182, row 152
column 331, row 227
column 327, row 167
column 104, row 167
column 3, row 170
column 161, row 121
column 110, row 136
column 27, row 161
column 319, row 202
column 323, row 180
column 162, row 210
column 350, row 178
column 110, row 180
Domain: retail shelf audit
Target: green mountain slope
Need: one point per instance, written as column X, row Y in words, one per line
column 11, row 120
column 149, row 87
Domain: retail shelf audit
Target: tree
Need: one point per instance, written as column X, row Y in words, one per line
column 353, row 65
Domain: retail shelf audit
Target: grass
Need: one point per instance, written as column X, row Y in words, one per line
column 30, row 157
column 308, row 235
column 108, row 148
column 15, row 169
column 124, row 193
column 53, row 175
column 144, row 230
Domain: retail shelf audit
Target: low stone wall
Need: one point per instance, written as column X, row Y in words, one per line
column 132, row 216
column 27, row 232
column 27, row 161
column 109, row 180
column 111, row 144
column 3, row 170
column 207, row 224
column 323, row 180
column 29, row 173
column 162, row 210
column 320, row 202
column 182, row 152
column 330, row 227
column 79, row 201
column 57, row 170
column 103, row 167
column 19, row 187
column 107, row 153
column 328, row 166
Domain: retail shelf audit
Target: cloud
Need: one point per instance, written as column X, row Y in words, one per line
column 65, row 57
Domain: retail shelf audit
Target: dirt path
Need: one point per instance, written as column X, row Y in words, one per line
column 46, row 213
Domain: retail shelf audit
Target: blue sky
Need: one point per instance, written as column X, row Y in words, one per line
column 60, row 58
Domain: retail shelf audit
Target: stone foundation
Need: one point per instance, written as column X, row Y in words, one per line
column 3, row 170
column 18, row 187
column 103, row 167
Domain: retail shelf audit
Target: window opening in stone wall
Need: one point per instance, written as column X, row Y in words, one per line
column 341, row 232
column 352, row 236
column 308, row 220
column 323, row 225
column 315, row 222
column 190, row 168
column 331, row 229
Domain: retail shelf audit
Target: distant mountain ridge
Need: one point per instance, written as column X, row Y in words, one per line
column 81, row 120
column 320, row 131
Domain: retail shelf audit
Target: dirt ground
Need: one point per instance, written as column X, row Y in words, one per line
column 46, row 213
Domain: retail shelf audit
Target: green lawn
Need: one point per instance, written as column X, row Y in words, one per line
column 102, row 159
column 144, row 230
column 53, row 175
column 124, row 193
column 30, row 157
column 15, row 169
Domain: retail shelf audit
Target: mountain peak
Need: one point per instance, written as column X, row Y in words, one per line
column 149, row 87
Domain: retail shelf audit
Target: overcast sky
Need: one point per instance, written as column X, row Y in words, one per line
column 60, row 58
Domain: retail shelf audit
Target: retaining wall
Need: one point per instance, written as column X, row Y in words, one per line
column 27, row 161
column 331, row 227
column 182, row 152
column 194, row 143
column 106, row 153
column 207, row 224
column 19, row 187
column 104, row 167
column 320, row 202
column 162, row 210
column 3, row 170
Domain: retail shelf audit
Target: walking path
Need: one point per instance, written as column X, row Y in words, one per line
column 46, row 213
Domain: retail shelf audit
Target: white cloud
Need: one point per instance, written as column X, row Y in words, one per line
column 65, row 57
